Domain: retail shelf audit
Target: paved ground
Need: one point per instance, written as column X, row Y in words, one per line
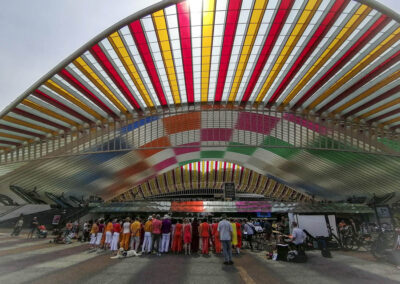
column 38, row 261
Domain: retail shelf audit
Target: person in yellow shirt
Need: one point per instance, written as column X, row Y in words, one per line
column 135, row 234
column 148, row 228
column 108, row 233
column 93, row 234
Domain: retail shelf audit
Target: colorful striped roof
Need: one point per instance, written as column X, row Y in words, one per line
column 208, row 175
column 338, row 58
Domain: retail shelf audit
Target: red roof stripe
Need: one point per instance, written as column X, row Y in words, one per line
column 22, row 131
column 363, row 40
column 229, row 36
column 10, row 142
column 57, row 104
column 278, row 23
column 385, row 115
column 186, row 47
column 99, row 55
column 319, row 34
column 38, row 118
column 145, row 53
column 376, row 100
column 86, row 92
column 370, row 76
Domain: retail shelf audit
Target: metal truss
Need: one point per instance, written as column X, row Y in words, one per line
column 222, row 126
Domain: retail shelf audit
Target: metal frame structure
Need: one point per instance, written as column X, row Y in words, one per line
column 299, row 132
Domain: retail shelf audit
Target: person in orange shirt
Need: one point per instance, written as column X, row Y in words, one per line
column 204, row 230
column 148, row 228
column 215, row 235
column 108, row 233
column 93, row 234
column 135, row 234
column 126, row 234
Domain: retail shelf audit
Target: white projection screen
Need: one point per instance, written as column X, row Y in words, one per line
column 314, row 224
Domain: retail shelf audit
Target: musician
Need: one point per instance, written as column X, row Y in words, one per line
column 298, row 236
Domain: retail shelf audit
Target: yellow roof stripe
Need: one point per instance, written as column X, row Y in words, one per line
column 126, row 60
column 347, row 30
column 11, row 136
column 27, row 124
column 207, row 40
column 56, row 88
column 380, row 108
column 162, row 33
column 396, row 119
column 48, row 112
column 381, row 48
column 369, row 92
column 92, row 76
column 294, row 37
column 252, row 30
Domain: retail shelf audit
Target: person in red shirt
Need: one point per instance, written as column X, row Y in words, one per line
column 187, row 236
column 115, row 238
column 204, row 230
column 215, row 234
column 177, row 239
column 239, row 236
column 156, row 234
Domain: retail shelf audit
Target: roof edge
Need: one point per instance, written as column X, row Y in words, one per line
column 381, row 8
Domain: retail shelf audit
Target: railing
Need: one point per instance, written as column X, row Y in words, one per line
column 212, row 128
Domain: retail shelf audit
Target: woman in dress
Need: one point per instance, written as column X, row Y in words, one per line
column 177, row 241
column 234, row 233
column 187, row 236
column 195, row 236
column 204, row 231
column 239, row 236
column 216, row 240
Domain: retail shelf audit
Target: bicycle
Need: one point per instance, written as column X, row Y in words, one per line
column 383, row 245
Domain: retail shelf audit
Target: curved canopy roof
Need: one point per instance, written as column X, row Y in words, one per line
column 339, row 58
column 329, row 57
column 209, row 177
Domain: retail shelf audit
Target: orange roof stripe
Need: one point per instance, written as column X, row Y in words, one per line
column 60, row 91
column 380, row 49
column 252, row 30
column 165, row 47
column 92, row 76
column 293, row 39
column 369, row 92
column 347, row 30
column 48, row 112
column 126, row 60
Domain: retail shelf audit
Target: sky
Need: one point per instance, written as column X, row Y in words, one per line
column 37, row 35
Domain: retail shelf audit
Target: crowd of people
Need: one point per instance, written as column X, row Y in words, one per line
column 167, row 235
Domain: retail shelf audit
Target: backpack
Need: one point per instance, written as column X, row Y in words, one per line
column 297, row 256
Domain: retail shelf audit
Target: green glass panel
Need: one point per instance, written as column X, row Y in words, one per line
column 241, row 149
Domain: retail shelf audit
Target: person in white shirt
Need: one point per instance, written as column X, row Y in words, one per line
column 298, row 235
column 225, row 235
